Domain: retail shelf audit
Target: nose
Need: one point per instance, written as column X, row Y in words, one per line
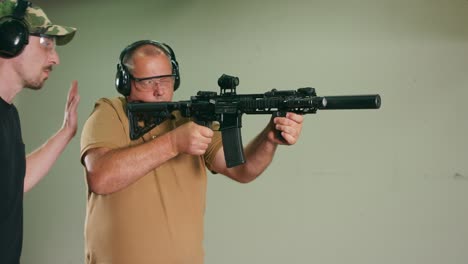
column 157, row 90
column 54, row 57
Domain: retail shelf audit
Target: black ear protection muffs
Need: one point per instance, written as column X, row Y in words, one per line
column 123, row 77
column 14, row 32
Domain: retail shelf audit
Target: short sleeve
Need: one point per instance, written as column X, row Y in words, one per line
column 107, row 126
column 213, row 148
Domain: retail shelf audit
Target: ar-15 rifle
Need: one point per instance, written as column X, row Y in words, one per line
column 227, row 109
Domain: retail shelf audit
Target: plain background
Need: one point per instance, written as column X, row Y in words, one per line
column 360, row 187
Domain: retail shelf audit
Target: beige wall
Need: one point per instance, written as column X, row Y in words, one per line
column 360, row 187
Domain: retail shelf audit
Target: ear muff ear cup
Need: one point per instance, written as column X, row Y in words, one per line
column 123, row 77
column 175, row 71
column 122, row 80
column 174, row 63
column 14, row 32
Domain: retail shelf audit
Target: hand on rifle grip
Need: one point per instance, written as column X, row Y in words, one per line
column 191, row 138
column 278, row 132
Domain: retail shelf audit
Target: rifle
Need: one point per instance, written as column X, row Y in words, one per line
column 227, row 109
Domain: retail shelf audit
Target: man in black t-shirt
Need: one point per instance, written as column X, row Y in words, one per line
column 13, row 166
column 27, row 55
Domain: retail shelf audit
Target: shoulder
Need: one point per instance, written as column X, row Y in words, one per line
column 116, row 105
column 115, row 102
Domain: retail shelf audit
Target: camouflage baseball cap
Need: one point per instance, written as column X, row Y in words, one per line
column 39, row 23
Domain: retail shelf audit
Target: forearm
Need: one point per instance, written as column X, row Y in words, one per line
column 111, row 170
column 259, row 154
column 41, row 160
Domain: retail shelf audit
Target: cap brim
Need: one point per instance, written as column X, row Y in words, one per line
column 62, row 34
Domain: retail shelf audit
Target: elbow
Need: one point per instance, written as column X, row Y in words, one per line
column 246, row 174
column 243, row 178
column 242, row 174
column 245, row 181
column 97, row 184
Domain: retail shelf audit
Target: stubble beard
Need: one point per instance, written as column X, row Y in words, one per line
column 35, row 85
column 38, row 82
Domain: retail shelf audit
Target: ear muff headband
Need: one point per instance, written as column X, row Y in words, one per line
column 14, row 32
column 123, row 76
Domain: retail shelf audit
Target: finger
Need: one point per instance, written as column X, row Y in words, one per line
column 203, row 146
column 291, row 130
column 206, row 132
column 198, row 148
column 284, row 121
column 199, row 152
column 74, row 103
column 72, row 92
column 204, row 140
column 288, row 138
column 283, row 128
column 295, row 117
column 72, row 106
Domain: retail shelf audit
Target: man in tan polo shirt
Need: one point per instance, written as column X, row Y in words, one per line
column 146, row 197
